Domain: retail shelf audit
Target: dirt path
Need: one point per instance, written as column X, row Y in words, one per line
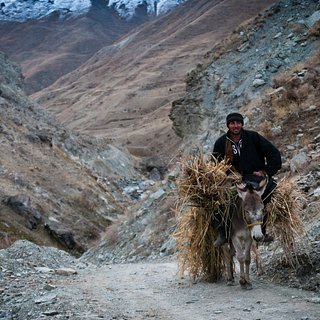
column 154, row 290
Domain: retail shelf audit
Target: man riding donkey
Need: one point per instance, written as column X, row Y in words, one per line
column 251, row 155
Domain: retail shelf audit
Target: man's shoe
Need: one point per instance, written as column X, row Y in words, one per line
column 221, row 240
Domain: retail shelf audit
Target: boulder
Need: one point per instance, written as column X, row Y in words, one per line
column 21, row 204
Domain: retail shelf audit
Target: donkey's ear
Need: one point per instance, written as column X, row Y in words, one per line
column 242, row 189
column 241, row 186
column 262, row 185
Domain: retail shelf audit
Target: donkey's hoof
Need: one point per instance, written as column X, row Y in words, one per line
column 230, row 283
column 246, row 286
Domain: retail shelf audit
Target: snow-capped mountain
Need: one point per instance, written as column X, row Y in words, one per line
column 19, row 10
column 22, row 10
column 126, row 8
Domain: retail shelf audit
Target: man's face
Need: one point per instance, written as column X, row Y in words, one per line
column 235, row 127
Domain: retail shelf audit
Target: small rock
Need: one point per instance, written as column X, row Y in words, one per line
column 315, row 17
column 311, row 108
column 46, row 298
column 49, row 287
column 258, row 82
column 217, row 312
column 277, row 35
column 316, row 192
column 315, row 300
column 159, row 193
column 50, row 313
column 298, row 161
column 43, row 269
column 65, row 271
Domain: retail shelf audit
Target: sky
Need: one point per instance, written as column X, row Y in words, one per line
column 22, row 10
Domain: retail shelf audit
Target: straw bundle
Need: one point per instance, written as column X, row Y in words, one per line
column 206, row 189
column 203, row 192
column 284, row 217
column 195, row 238
column 204, row 182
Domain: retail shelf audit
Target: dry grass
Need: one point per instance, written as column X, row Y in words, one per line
column 206, row 189
column 195, row 237
column 292, row 93
column 314, row 32
column 287, row 106
column 297, row 27
column 112, row 234
column 293, row 89
column 204, row 182
column 284, row 220
column 203, row 192
column 87, row 203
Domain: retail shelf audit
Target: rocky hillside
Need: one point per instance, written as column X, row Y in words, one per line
column 57, row 188
column 239, row 70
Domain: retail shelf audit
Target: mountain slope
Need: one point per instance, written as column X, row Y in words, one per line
column 53, row 188
column 125, row 91
column 52, row 46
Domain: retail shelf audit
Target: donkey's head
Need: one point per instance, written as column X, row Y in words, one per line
column 251, row 193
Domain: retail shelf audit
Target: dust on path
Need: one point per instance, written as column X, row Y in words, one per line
column 156, row 291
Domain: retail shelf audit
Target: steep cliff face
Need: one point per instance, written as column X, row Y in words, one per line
column 241, row 69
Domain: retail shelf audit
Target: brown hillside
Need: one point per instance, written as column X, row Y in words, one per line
column 125, row 91
column 52, row 47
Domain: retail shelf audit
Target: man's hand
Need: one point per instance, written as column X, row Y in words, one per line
column 259, row 173
column 236, row 177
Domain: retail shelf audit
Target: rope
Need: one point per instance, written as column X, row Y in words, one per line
column 257, row 223
column 249, row 225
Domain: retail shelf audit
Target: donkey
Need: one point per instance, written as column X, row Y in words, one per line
column 246, row 218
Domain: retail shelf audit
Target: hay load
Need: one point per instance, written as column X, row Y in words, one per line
column 204, row 190
column 284, row 220
column 207, row 188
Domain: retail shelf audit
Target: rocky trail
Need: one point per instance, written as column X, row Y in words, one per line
column 61, row 287
column 156, row 291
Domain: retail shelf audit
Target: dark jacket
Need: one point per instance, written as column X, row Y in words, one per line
column 254, row 153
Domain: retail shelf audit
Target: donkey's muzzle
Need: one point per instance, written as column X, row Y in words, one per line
column 256, row 232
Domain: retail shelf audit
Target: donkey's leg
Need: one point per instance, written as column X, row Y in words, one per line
column 247, row 261
column 242, row 280
column 243, row 255
column 228, row 255
column 258, row 261
column 240, row 254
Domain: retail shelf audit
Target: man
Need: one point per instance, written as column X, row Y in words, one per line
column 252, row 156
